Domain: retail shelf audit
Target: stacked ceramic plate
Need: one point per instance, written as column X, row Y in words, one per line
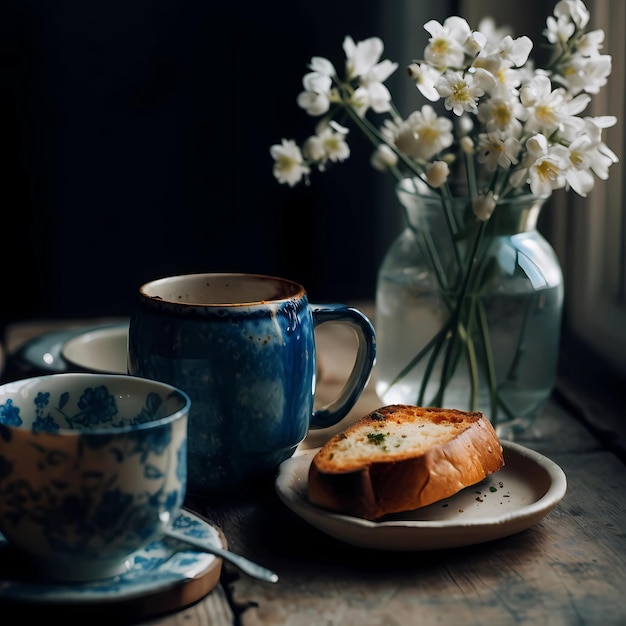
column 100, row 348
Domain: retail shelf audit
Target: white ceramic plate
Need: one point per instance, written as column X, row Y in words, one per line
column 98, row 350
column 43, row 353
column 513, row 499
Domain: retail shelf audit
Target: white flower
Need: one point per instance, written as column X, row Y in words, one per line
column 514, row 52
column 459, row 91
column 289, row 166
column 571, row 15
column 315, row 98
column 587, row 74
column 493, row 33
column 425, row 76
column 361, row 57
column 589, row 44
column 375, row 96
column 601, row 156
column 601, row 121
column 578, row 175
column 446, row 45
column 559, row 31
column 547, row 174
column 423, row 135
column 362, row 62
column 496, row 149
column 328, row 144
column 547, row 108
column 586, row 154
column 402, row 135
column 574, row 10
column 323, row 66
column 500, row 64
column 502, row 114
column 544, row 167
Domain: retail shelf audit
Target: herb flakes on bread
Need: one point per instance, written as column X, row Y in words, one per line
column 402, row 457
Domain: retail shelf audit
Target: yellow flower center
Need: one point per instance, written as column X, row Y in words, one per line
column 501, row 115
column 461, row 92
column 545, row 114
column 428, row 135
column 494, row 146
column 439, row 46
column 285, row 163
column 331, row 144
column 576, row 158
column 547, row 171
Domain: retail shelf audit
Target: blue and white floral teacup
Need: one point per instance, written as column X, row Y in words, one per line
column 92, row 468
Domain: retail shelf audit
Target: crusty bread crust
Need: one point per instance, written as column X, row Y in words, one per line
column 402, row 457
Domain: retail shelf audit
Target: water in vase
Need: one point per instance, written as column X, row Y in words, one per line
column 524, row 330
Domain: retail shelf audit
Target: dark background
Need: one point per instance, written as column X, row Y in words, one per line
column 134, row 143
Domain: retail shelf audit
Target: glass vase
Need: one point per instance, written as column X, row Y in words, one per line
column 468, row 312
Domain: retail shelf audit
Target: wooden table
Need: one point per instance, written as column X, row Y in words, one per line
column 569, row 569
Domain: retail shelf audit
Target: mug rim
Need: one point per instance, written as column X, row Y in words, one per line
column 298, row 291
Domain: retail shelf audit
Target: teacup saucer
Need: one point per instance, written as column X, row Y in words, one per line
column 153, row 585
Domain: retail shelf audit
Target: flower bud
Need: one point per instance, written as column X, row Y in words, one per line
column 528, row 95
column 465, row 124
column 475, row 43
column 449, row 158
column 467, row 145
column 483, row 206
column 383, row 158
column 437, row 173
column 313, row 149
column 414, row 71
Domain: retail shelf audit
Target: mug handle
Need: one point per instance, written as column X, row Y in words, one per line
column 363, row 364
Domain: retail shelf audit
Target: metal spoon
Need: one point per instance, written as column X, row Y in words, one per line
column 244, row 564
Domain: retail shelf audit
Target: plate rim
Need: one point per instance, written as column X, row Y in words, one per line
column 54, row 339
column 107, row 330
column 518, row 520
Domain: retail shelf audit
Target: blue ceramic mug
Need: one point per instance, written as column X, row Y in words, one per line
column 243, row 348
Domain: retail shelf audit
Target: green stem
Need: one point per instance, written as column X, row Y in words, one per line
column 450, row 362
column 418, row 357
column 440, row 339
column 472, row 360
column 489, row 364
column 512, row 374
column 453, row 227
column 447, row 369
column 459, row 325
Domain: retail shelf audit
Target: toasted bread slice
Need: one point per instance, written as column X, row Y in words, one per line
column 402, row 457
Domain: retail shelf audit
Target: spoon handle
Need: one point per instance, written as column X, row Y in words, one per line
column 244, row 564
